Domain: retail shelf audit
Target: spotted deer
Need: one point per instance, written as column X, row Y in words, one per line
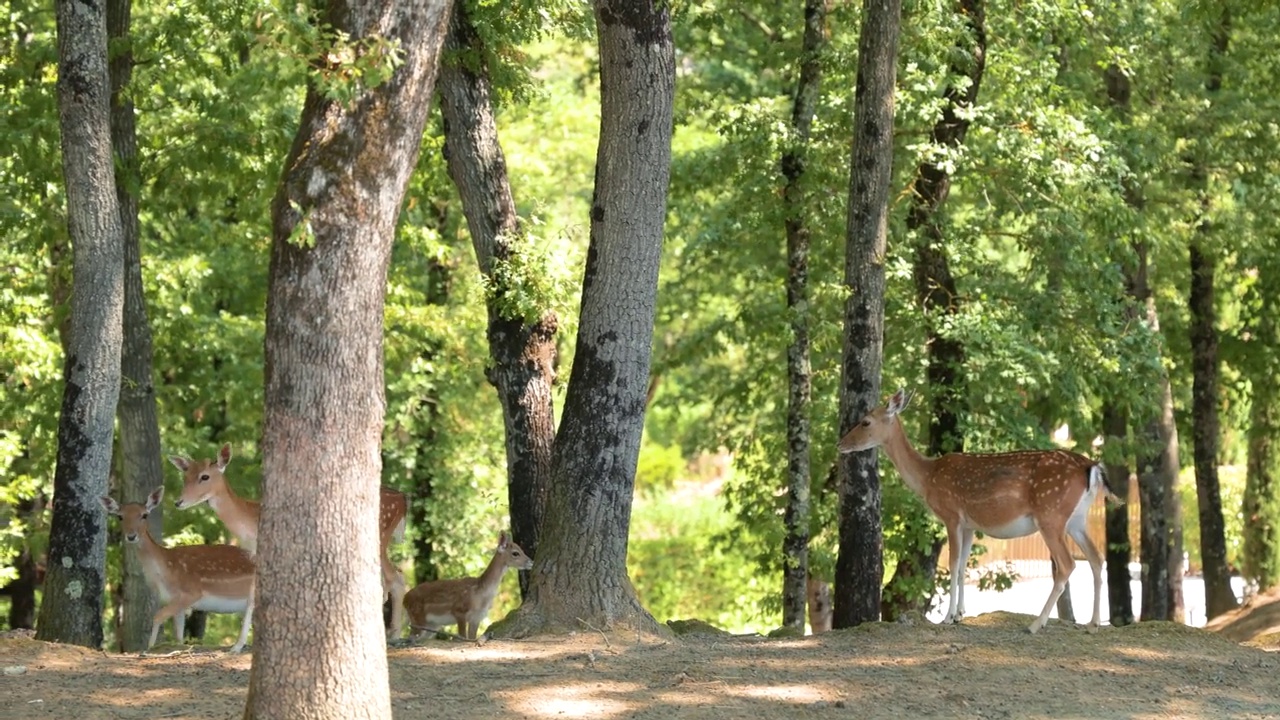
column 1005, row 495
column 205, row 481
column 464, row 602
column 213, row 578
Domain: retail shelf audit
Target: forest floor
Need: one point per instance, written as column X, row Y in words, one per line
column 987, row 667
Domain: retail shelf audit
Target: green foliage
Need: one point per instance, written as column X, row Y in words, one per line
column 658, row 468
column 682, row 566
column 1231, row 486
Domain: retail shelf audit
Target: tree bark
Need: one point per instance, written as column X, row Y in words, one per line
column 319, row 648
column 860, row 563
column 937, row 295
column 1119, row 551
column 795, row 545
column 1161, row 537
column 580, row 574
column 1219, row 597
column 522, row 350
column 141, row 468
column 72, row 608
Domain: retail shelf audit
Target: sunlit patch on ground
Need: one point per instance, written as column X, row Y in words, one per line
column 597, row 700
column 797, row 694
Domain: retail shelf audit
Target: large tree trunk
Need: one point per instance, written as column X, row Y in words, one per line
column 522, row 350
column 580, row 573
column 1119, row 551
column 860, row 563
column 795, row 546
column 72, row 607
column 319, row 648
column 1219, row 597
column 938, row 298
column 141, row 468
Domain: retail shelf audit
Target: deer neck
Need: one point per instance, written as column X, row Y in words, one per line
column 491, row 577
column 152, row 555
column 238, row 514
column 912, row 466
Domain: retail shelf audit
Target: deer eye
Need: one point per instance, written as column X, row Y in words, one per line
column 204, row 477
column 866, row 422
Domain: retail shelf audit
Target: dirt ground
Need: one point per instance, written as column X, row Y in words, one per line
column 988, row 667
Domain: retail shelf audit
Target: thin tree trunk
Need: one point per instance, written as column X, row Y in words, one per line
column 860, row 563
column 938, row 298
column 1160, row 547
column 71, row 611
column 579, row 578
column 1161, row 544
column 22, row 590
column 1119, row 551
column 1219, row 597
column 141, row 469
column 522, row 350
column 319, row 645
column 795, row 546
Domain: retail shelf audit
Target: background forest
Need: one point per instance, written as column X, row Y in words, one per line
column 1106, row 224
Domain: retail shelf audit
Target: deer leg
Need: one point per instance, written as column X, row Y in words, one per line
column 244, row 626
column 393, row 583
column 1095, row 564
column 955, row 545
column 1063, row 564
column 966, row 543
column 176, row 609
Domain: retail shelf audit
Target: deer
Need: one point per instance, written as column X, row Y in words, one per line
column 213, row 578
column 463, row 601
column 204, row 481
column 1005, row 495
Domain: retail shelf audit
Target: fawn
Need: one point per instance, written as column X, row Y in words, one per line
column 463, row 601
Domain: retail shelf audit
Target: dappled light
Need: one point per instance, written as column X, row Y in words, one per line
column 989, row 668
column 570, row 701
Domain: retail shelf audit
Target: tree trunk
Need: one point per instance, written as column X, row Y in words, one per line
column 1119, row 551
column 1219, row 597
column 141, row 469
column 522, row 350
column 579, row 578
column 72, row 608
column 22, row 590
column 795, row 546
column 1161, row 538
column 860, row 563
column 319, row 648
column 937, row 295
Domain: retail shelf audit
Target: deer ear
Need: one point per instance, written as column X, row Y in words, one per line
column 224, row 457
column 113, row 507
column 180, row 462
column 896, row 402
column 503, row 539
column 154, row 498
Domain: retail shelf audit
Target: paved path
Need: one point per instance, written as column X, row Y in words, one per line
column 1028, row 596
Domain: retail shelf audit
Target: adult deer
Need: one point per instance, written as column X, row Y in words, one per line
column 205, row 481
column 463, row 601
column 213, row 578
column 1005, row 495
